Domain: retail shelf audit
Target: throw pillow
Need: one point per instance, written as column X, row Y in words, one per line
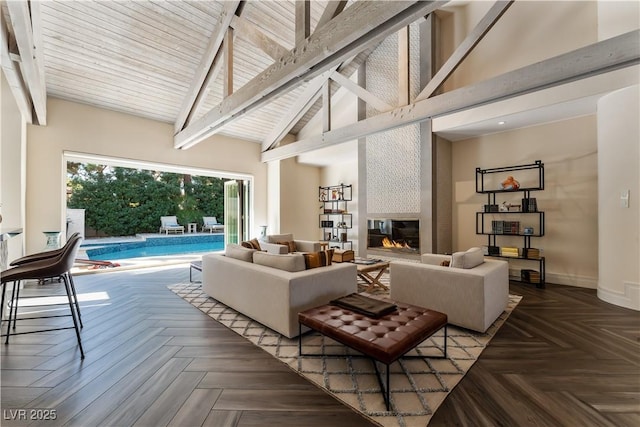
column 445, row 263
column 251, row 244
column 318, row 259
column 469, row 259
column 255, row 244
column 291, row 245
column 290, row 263
column 239, row 252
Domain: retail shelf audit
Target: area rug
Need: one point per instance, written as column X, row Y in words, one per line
column 418, row 386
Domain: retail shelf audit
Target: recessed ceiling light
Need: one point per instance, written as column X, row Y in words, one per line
column 501, row 123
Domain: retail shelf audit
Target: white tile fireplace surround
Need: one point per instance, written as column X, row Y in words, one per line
column 393, row 237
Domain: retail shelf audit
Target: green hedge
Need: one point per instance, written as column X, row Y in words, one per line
column 122, row 202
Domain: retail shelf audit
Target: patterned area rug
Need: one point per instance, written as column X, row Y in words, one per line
column 418, row 386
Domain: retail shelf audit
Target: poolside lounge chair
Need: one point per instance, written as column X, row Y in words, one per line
column 211, row 224
column 169, row 224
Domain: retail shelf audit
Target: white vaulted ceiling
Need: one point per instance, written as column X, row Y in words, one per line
column 140, row 57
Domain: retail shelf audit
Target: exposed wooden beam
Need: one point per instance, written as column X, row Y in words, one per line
column 359, row 26
column 227, row 54
column 467, row 45
column 32, row 65
column 12, row 73
column 601, row 57
column 361, row 92
column 326, row 106
column 303, row 20
column 259, row 39
column 297, row 110
column 206, row 64
column 332, row 9
column 403, row 66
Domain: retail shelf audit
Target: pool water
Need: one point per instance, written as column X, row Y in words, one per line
column 156, row 247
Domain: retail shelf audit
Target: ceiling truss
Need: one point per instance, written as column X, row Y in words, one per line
column 356, row 28
column 24, row 65
column 601, row 57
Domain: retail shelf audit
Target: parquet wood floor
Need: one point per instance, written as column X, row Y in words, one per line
column 562, row 358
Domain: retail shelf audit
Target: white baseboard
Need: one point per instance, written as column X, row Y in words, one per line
column 565, row 279
column 569, row 280
column 630, row 298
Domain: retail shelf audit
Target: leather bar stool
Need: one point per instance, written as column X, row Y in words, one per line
column 46, row 268
column 40, row 256
column 44, row 255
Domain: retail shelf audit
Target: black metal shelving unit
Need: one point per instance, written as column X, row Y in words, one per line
column 505, row 228
column 335, row 219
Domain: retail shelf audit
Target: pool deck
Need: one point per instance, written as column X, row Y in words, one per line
column 134, row 263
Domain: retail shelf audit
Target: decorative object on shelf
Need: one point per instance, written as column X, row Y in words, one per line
column 533, row 177
column 510, row 183
column 263, row 232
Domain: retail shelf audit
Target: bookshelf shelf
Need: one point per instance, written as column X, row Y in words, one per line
column 524, row 221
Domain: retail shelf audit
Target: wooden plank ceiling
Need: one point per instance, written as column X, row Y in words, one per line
column 140, row 57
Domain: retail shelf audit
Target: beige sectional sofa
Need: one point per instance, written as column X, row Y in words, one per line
column 272, row 295
column 472, row 294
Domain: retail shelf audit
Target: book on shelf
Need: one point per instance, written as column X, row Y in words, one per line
column 509, row 251
column 531, row 276
column 505, row 227
column 529, row 205
column 531, row 253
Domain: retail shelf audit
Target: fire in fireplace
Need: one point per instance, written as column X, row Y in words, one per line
column 394, row 234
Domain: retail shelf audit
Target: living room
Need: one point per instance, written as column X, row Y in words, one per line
column 589, row 151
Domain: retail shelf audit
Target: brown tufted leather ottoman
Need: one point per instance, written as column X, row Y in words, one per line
column 384, row 339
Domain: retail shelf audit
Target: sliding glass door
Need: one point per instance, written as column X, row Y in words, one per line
column 236, row 211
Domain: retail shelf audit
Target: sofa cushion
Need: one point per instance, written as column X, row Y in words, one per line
column 239, row 252
column 288, row 262
column 251, row 244
column 318, row 259
column 275, row 238
column 469, row 259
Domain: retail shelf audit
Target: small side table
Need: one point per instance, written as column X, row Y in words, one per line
column 192, row 227
column 195, row 265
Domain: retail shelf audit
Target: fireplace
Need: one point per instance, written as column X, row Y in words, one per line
column 401, row 236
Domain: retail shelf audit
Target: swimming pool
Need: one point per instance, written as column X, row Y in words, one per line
column 159, row 246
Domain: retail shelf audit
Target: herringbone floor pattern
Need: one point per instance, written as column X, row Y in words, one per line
column 562, row 358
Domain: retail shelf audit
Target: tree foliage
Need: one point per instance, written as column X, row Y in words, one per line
column 121, row 201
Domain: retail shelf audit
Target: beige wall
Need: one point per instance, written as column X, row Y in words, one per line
column 12, row 162
column 617, row 17
column 299, row 199
column 85, row 129
column 570, row 199
column 528, row 32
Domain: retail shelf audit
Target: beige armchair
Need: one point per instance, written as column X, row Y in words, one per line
column 472, row 296
column 283, row 243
